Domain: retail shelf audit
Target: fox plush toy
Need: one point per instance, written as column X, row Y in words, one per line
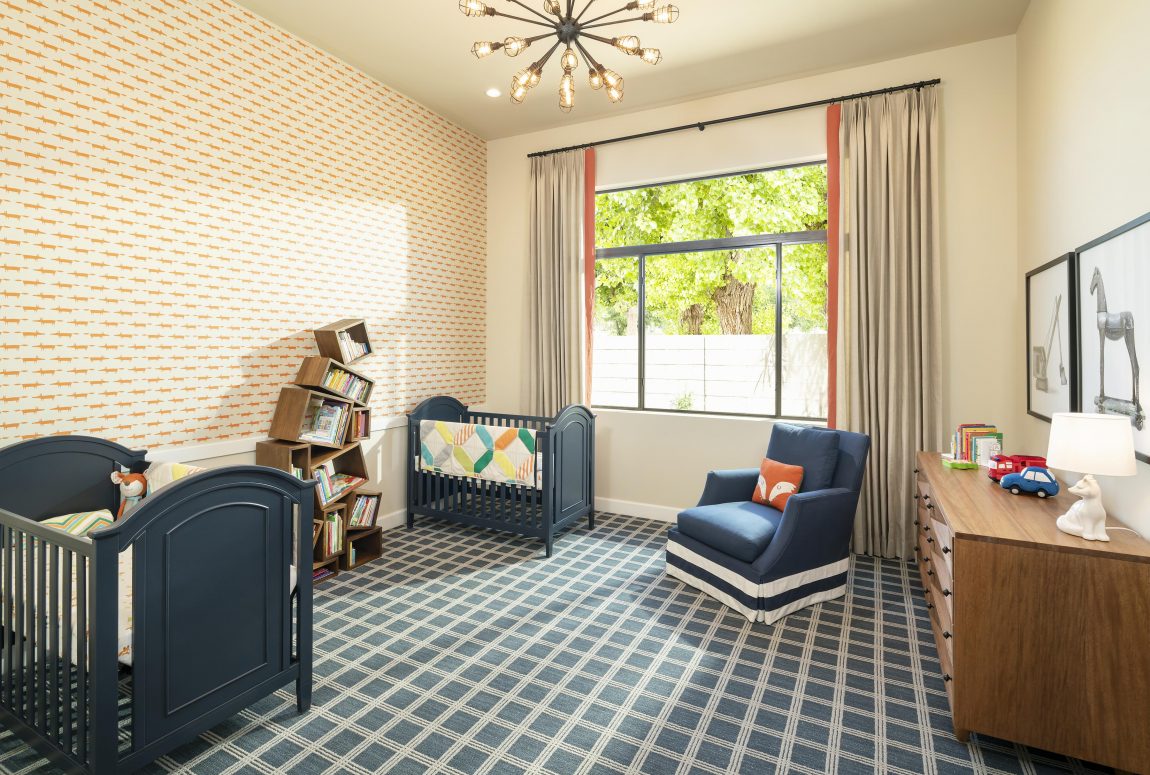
column 133, row 487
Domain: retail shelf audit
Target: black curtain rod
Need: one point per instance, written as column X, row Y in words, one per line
column 701, row 125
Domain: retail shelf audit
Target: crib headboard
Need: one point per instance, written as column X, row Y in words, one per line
column 62, row 475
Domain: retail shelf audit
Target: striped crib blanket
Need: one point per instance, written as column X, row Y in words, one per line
column 492, row 452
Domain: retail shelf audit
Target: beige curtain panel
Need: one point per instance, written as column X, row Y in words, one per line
column 556, row 282
column 889, row 370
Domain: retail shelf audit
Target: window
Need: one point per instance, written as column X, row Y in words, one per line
column 711, row 295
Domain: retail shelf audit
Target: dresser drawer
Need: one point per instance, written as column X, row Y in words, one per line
column 943, row 540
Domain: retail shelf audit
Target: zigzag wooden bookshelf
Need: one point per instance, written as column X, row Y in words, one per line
column 316, row 431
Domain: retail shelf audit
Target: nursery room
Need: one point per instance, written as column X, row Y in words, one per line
column 574, row 387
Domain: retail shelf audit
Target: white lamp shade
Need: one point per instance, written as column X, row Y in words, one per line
column 1100, row 444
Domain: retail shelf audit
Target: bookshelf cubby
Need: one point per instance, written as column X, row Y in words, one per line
column 295, row 417
column 360, row 427
column 335, row 341
column 369, row 516
column 293, row 449
column 330, row 376
column 292, row 457
column 346, row 461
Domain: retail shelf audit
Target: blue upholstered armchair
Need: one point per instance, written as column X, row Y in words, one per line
column 762, row 562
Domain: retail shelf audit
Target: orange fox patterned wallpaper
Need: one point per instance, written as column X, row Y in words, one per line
column 187, row 191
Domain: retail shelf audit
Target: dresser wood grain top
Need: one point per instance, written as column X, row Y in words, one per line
column 978, row 509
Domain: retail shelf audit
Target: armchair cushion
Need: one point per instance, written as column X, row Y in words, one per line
column 815, row 449
column 742, row 530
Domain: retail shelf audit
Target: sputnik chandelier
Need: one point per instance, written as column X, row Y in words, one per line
column 569, row 29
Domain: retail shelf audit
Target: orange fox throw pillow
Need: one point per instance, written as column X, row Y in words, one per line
column 777, row 482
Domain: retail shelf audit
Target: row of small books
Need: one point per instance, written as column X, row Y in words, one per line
column 333, row 485
column 321, row 573
column 347, row 384
column 333, row 536
column 350, row 348
column 362, row 426
column 323, row 421
column 363, row 512
column 976, row 443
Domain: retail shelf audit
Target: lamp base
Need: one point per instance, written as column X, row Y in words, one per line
column 1087, row 518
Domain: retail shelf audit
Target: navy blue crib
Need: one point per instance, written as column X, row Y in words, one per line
column 566, row 445
column 215, row 625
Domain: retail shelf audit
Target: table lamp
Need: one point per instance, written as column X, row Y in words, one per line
column 1091, row 444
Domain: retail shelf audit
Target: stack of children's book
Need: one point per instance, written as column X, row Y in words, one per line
column 323, row 421
column 976, row 443
column 363, row 512
column 333, row 537
column 346, row 384
column 332, row 484
column 350, row 348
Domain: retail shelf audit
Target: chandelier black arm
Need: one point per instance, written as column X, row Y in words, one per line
column 596, row 37
column 587, row 55
column 544, row 17
column 585, row 9
column 604, row 16
column 570, row 8
column 521, row 19
column 543, row 59
column 613, row 21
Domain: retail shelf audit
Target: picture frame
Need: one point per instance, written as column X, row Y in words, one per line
column 1113, row 279
column 1052, row 338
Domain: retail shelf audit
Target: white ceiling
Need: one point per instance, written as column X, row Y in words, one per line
column 423, row 48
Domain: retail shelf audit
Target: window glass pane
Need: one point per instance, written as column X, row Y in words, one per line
column 805, row 330
column 771, row 202
column 710, row 325
column 615, row 333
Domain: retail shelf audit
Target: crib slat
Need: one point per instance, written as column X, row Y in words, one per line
column 66, row 651
column 82, row 656
column 54, row 619
column 17, row 631
column 42, row 636
column 6, row 647
column 30, row 634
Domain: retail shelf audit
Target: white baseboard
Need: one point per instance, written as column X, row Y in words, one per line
column 393, row 520
column 634, row 509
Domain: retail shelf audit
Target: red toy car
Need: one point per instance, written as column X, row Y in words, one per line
column 1001, row 465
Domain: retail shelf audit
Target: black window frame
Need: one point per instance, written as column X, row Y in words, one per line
column 641, row 252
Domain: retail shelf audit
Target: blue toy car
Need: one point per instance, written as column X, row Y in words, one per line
column 1034, row 480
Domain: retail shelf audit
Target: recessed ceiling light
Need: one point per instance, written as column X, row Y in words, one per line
column 493, row 92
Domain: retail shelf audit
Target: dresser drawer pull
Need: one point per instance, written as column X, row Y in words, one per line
column 929, row 505
column 916, row 496
column 929, row 540
column 929, row 606
column 916, row 523
column 926, row 528
column 946, row 593
column 946, row 550
column 931, row 573
column 916, row 470
column 946, row 634
column 946, row 677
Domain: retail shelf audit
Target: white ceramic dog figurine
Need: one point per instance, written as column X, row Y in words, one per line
column 1087, row 518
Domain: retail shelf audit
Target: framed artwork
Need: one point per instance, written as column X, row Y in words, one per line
column 1051, row 338
column 1114, row 325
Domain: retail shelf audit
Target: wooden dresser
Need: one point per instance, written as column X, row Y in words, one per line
column 1044, row 638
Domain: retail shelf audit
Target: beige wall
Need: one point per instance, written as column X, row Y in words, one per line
column 1084, row 159
column 660, row 459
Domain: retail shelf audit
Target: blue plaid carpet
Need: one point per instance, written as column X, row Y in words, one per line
column 465, row 652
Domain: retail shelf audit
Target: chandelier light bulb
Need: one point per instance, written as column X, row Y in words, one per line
column 483, row 48
column 595, row 78
column 666, row 14
column 475, row 8
column 518, row 92
column 615, row 93
column 645, row 5
column 552, row 7
column 569, row 60
column 535, row 74
column 628, row 44
column 514, row 46
column 651, row 56
column 612, row 79
column 567, row 92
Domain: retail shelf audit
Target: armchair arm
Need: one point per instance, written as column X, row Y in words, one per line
column 815, row 531
column 736, row 484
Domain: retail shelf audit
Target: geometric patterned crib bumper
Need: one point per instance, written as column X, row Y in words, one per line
column 492, row 452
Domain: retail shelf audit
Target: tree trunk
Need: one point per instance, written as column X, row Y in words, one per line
column 735, row 302
column 691, row 320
